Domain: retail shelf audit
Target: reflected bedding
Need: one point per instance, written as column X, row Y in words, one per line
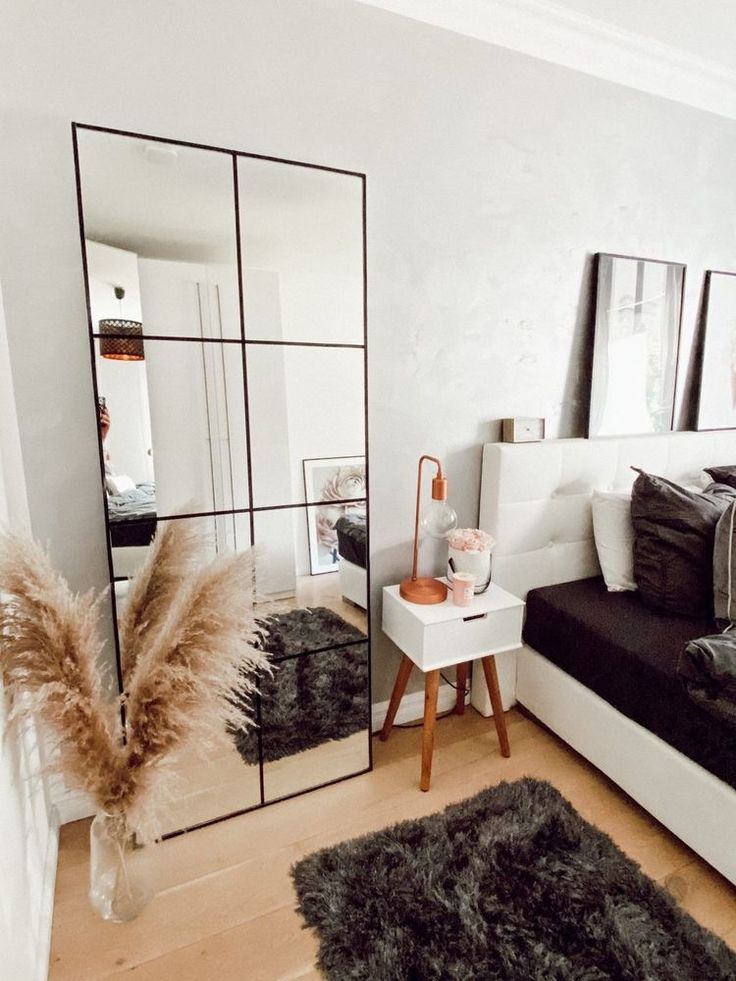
column 140, row 502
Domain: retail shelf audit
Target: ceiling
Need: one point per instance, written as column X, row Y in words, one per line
column 704, row 28
column 683, row 50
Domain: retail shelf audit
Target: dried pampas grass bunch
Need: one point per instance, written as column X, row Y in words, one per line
column 186, row 638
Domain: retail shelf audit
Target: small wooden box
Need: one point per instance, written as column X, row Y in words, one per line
column 523, row 429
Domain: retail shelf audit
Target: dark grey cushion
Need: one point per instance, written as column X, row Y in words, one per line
column 724, row 567
column 723, row 475
column 674, row 533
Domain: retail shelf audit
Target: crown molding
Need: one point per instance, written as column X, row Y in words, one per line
column 555, row 33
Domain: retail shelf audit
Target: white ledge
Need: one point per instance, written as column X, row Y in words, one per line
column 555, row 33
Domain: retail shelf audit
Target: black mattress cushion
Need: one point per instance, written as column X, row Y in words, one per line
column 125, row 533
column 674, row 532
column 723, row 475
column 627, row 654
column 351, row 538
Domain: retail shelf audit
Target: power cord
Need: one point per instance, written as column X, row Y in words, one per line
column 443, row 715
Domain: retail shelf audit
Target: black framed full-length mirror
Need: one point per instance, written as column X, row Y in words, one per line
column 239, row 401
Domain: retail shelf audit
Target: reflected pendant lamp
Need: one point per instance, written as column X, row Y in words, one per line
column 121, row 340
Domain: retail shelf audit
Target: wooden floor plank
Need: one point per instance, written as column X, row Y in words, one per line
column 225, row 907
column 272, row 947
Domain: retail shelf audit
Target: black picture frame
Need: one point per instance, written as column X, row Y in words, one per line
column 717, row 375
column 647, row 329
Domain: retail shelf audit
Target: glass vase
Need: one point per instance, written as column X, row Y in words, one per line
column 119, row 874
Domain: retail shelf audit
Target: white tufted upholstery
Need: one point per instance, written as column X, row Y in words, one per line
column 535, row 497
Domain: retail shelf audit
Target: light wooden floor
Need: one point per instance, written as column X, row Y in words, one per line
column 225, row 908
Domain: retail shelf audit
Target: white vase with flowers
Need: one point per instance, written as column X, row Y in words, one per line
column 470, row 550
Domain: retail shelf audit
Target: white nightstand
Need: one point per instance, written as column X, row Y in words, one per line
column 437, row 636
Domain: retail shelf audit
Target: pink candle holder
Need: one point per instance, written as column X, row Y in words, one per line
column 463, row 588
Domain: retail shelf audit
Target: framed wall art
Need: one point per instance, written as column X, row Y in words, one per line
column 717, row 392
column 338, row 484
column 638, row 311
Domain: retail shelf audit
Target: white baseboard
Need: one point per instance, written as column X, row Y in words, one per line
column 412, row 707
column 46, row 910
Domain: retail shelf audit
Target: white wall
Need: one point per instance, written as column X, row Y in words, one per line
column 492, row 178
column 28, row 826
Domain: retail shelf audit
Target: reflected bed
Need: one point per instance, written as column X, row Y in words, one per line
column 138, row 503
column 352, row 548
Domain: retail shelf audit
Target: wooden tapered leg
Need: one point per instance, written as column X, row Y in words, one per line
column 396, row 695
column 489, row 670
column 431, row 687
column 461, row 680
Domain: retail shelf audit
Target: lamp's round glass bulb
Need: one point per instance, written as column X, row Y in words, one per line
column 438, row 519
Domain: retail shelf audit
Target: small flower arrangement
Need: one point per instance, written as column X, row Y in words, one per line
column 470, row 540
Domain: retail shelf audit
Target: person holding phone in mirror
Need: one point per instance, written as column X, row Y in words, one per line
column 103, row 417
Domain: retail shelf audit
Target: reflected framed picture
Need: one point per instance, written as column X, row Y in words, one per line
column 638, row 310
column 717, row 394
column 338, row 484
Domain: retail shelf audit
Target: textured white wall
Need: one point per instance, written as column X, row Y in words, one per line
column 28, row 824
column 492, row 178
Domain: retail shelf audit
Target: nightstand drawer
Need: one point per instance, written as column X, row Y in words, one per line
column 438, row 635
column 448, row 642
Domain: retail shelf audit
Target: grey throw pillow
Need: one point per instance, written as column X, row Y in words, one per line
column 674, row 533
column 722, row 475
column 724, row 567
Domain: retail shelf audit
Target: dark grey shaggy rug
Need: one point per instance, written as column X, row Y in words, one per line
column 311, row 698
column 510, row 884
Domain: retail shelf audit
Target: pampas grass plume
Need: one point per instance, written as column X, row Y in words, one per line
column 186, row 637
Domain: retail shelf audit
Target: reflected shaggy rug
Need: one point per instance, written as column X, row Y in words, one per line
column 511, row 884
column 311, row 698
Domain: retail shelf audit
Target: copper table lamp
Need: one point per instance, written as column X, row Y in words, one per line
column 438, row 520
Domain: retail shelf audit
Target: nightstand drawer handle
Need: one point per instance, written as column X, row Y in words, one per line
column 478, row 616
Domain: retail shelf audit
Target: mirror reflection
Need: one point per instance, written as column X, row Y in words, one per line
column 303, row 261
column 173, row 432
column 305, row 403
column 253, row 426
column 315, row 709
column 168, row 211
column 222, row 781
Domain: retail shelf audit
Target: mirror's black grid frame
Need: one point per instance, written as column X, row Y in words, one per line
column 244, row 343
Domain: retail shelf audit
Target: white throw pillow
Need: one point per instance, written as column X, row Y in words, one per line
column 119, row 483
column 614, row 539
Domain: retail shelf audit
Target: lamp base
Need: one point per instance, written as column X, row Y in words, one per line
column 424, row 591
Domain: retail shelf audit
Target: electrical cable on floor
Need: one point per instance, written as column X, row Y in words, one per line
column 420, row 722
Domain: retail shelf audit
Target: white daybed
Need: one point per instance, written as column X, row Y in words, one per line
column 535, row 500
